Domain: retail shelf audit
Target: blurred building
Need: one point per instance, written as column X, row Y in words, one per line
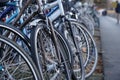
column 105, row 3
column 101, row 3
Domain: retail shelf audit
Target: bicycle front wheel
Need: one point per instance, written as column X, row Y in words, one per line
column 51, row 66
column 15, row 63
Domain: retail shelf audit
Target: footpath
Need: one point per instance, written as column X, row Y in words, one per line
column 110, row 43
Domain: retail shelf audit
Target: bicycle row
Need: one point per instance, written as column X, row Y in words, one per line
column 47, row 40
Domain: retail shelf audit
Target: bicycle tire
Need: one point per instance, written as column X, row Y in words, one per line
column 17, row 32
column 34, row 49
column 73, row 25
column 94, row 54
column 9, row 62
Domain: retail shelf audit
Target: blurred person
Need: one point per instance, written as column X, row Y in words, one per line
column 117, row 10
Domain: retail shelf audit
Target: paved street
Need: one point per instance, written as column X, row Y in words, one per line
column 110, row 39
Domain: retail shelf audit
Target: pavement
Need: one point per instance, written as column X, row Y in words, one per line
column 110, row 42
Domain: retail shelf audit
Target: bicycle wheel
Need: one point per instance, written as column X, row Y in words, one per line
column 92, row 56
column 80, row 47
column 15, row 63
column 50, row 65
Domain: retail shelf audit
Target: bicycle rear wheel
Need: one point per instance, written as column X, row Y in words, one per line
column 15, row 63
